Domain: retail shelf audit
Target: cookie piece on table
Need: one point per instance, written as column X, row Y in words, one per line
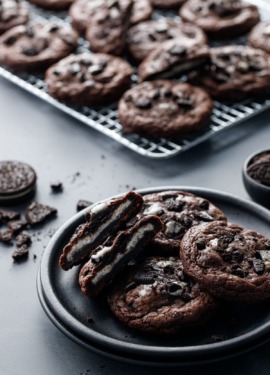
column 178, row 211
column 234, row 73
column 89, row 79
column 145, row 37
column 82, row 204
column 37, row 213
column 229, row 261
column 17, row 184
column 173, row 58
column 52, row 4
column 12, row 13
column 164, row 109
column 36, row 46
column 142, row 10
column 103, row 220
column 221, row 19
column 108, row 260
column 260, row 36
column 107, row 27
column 167, row 4
column 158, row 297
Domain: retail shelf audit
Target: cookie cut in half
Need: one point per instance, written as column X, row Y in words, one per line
column 103, row 220
column 158, row 297
column 228, row 261
column 106, row 262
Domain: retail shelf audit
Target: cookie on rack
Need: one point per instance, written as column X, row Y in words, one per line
column 164, row 108
column 12, row 13
column 36, row 46
column 228, row 260
column 158, row 297
column 107, row 27
column 52, row 4
column 221, row 19
column 142, row 10
column 173, row 58
column 89, row 79
column 143, row 38
column 260, row 36
column 167, row 4
column 234, row 73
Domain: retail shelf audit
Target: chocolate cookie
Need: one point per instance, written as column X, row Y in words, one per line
column 103, row 220
column 109, row 259
column 17, row 183
column 89, row 79
column 158, row 297
column 52, row 4
column 37, row 213
column 179, row 212
column 12, row 13
column 260, row 36
column 164, row 109
column 221, row 19
column 173, row 58
column 234, row 73
column 143, row 38
column 107, row 27
column 259, row 168
column 229, row 261
column 36, row 46
column 167, row 4
column 142, row 10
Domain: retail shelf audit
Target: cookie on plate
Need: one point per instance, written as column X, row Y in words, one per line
column 178, row 211
column 234, row 72
column 12, row 13
column 110, row 258
column 143, row 38
column 260, row 36
column 173, row 58
column 89, row 79
column 17, row 184
column 221, row 19
column 52, row 4
column 107, row 27
column 167, row 4
column 158, row 297
column 142, row 10
column 228, row 261
column 36, row 46
column 164, row 109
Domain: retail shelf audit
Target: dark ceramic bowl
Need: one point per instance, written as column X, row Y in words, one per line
column 258, row 192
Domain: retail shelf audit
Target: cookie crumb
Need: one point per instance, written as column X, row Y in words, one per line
column 56, row 186
column 90, row 319
column 20, row 254
column 82, row 204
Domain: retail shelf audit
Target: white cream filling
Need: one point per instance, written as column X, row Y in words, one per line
column 101, row 254
column 265, row 254
column 99, row 208
column 154, row 209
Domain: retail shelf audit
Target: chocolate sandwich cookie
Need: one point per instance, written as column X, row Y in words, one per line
column 168, row 4
column 89, row 79
column 178, row 211
column 145, row 37
column 36, row 46
column 12, row 13
column 106, row 262
column 158, row 297
column 260, row 36
column 234, row 73
column 52, row 4
column 142, row 10
column 103, row 220
column 229, row 261
column 221, row 19
column 107, row 27
column 164, row 109
column 17, row 184
column 173, row 58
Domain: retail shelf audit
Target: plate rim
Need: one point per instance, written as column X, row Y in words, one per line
column 188, row 352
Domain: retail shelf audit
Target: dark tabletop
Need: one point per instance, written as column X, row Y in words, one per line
column 93, row 167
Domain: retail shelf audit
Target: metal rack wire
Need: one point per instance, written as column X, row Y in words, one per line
column 105, row 119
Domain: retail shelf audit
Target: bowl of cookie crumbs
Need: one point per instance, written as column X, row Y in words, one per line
column 256, row 177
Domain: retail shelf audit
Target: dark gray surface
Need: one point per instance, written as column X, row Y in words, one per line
column 59, row 147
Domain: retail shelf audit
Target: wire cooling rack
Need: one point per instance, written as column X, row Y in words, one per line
column 105, row 119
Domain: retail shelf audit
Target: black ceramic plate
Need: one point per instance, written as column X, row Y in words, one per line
column 240, row 328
